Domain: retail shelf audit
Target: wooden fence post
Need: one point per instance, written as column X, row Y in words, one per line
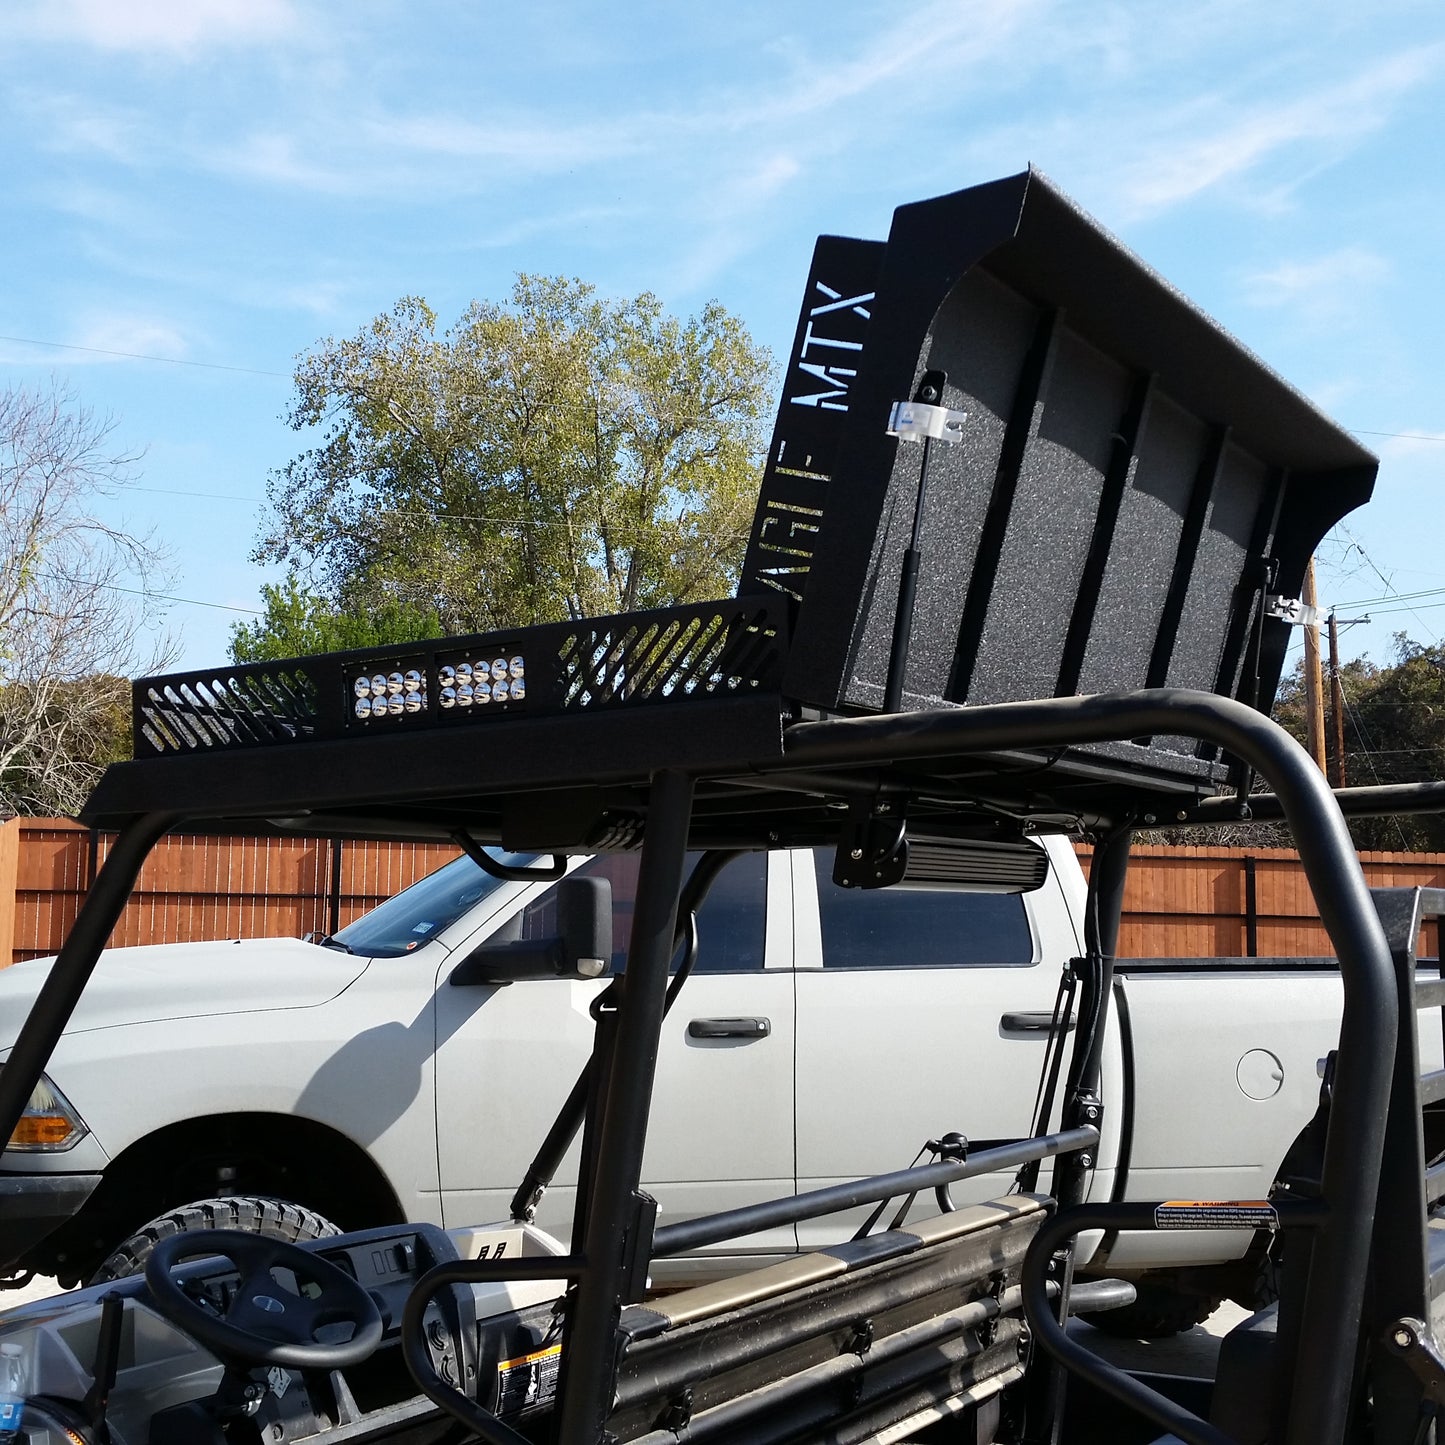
column 9, row 876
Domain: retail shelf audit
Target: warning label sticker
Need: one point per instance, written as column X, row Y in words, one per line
column 528, row 1380
column 1216, row 1214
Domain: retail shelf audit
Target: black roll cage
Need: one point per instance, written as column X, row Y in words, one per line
column 1128, row 513
column 614, row 1236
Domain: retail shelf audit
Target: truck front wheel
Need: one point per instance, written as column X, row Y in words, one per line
column 256, row 1214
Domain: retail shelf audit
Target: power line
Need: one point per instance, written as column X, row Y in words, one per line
column 189, row 601
column 1414, row 610
column 143, row 356
column 1352, row 712
column 1410, row 436
column 426, row 516
column 1393, row 597
column 151, row 596
column 286, row 376
column 1390, row 589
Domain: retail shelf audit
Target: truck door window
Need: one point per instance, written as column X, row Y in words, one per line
column 730, row 923
column 919, row 927
column 417, row 914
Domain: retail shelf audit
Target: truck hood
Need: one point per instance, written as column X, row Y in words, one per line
column 186, row 980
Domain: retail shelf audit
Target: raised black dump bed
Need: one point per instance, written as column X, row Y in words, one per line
column 1025, row 560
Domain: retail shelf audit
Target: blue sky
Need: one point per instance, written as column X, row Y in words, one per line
column 221, row 183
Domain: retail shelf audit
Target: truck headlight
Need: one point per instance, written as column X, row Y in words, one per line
column 49, row 1124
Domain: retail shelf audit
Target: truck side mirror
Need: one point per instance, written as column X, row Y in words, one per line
column 581, row 948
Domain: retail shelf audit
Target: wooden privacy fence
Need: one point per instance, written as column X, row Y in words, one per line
column 1184, row 902
column 1179, row 902
column 197, row 887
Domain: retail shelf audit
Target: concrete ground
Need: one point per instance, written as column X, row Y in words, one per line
column 1192, row 1354
column 38, row 1288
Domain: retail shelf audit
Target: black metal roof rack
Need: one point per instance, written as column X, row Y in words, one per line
column 1128, row 497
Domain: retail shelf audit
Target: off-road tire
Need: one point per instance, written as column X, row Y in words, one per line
column 1159, row 1311
column 273, row 1218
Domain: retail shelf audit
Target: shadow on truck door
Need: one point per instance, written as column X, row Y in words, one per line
column 899, row 1030
column 721, row 1133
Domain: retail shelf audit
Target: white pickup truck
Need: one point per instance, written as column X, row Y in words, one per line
column 332, row 1075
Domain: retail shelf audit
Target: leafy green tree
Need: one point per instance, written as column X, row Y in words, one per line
column 557, row 455
column 1394, row 733
column 298, row 622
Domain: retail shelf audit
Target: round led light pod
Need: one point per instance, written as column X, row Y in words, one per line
column 500, row 691
column 412, row 681
column 464, row 696
column 412, row 702
column 446, row 676
column 378, row 684
column 395, row 706
column 483, row 692
column 517, row 667
column 396, row 684
column 464, row 672
column 499, row 667
column 363, row 707
column 519, row 689
column 362, row 687
column 447, row 697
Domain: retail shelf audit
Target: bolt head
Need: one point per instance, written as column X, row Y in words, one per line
column 856, row 854
column 1403, row 1337
column 1086, row 1160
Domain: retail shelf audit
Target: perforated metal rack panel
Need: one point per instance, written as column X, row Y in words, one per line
column 1130, row 485
column 667, row 656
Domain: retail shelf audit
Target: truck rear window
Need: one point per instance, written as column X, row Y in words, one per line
column 919, row 927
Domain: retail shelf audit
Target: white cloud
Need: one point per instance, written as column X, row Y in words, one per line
column 1213, row 140
column 118, row 337
column 923, row 51
column 1411, row 442
column 727, row 214
column 1327, row 286
column 104, row 340
column 536, row 144
column 274, row 157
column 178, row 26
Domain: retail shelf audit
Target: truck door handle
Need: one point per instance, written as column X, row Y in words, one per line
column 1032, row 1023
column 729, row 1028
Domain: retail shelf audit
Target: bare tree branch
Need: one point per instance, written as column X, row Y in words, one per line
column 70, row 630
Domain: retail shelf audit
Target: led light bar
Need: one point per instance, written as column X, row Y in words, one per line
column 388, row 694
column 461, row 685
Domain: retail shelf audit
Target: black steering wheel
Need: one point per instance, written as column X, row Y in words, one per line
column 266, row 1324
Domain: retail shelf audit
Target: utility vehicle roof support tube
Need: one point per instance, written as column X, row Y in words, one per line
column 1163, row 1411
column 1082, row 1105
column 879, row 1188
column 61, row 991
column 589, row 1359
column 564, row 1128
column 1325, row 1366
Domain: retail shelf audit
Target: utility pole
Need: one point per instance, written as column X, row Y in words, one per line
column 1337, row 704
column 1314, row 682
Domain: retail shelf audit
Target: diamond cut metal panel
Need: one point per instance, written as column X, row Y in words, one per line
column 664, row 657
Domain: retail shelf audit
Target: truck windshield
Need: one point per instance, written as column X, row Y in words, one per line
column 417, row 914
